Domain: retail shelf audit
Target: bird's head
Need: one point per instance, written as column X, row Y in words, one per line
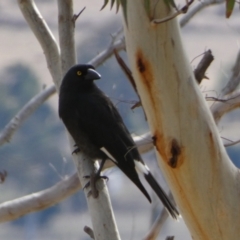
column 80, row 75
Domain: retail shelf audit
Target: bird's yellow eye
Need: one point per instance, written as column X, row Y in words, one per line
column 79, row 73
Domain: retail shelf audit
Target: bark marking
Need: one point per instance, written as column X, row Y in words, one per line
column 175, row 151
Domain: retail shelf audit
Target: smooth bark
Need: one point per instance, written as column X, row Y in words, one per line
column 203, row 180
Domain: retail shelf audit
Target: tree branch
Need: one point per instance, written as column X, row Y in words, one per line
column 196, row 9
column 225, row 105
column 44, row 37
column 39, row 201
column 24, row 113
column 158, row 224
column 16, row 208
column 107, row 53
column 234, row 80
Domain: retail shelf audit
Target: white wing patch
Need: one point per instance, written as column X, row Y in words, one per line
column 108, row 154
column 141, row 167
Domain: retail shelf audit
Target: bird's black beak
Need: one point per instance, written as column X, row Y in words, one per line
column 92, row 74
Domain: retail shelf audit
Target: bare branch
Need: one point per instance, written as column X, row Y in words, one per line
column 196, row 9
column 234, row 79
column 76, row 16
column 183, row 10
column 14, row 209
column 107, row 53
column 144, row 142
column 224, row 106
column 38, row 201
column 126, row 70
column 44, row 36
column 158, row 224
column 24, row 113
column 232, row 143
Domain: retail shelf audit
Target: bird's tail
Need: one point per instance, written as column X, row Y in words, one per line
column 162, row 195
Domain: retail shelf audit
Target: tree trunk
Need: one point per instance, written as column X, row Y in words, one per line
column 204, row 182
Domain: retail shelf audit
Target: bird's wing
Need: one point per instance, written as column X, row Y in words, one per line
column 102, row 123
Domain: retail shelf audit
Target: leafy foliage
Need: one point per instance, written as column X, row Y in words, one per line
column 123, row 3
column 229, row 7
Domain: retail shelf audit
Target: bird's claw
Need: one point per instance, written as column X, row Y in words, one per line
column 76, row 150
column 92, row 183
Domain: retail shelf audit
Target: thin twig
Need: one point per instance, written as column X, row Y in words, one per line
column 224, row 105
column 158, row 224
column 183, row 10
column 196, row 9
column 232, row 143
column 107, row 53
column 129, row 75
column 126, row 70
column 234, row 80
column 76, row 16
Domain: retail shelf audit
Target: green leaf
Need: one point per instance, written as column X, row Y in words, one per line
column 229, row 7
column 118, row 3
column 104, row 5
column 124, row 7
column 112, row 3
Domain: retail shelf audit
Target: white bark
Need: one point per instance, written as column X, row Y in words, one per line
column 13, row 209
column 203, row 180
column 225, row 105
column 100, row 208
column 44, row 37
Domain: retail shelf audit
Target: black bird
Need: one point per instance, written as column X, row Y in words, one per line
column 98, row 129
